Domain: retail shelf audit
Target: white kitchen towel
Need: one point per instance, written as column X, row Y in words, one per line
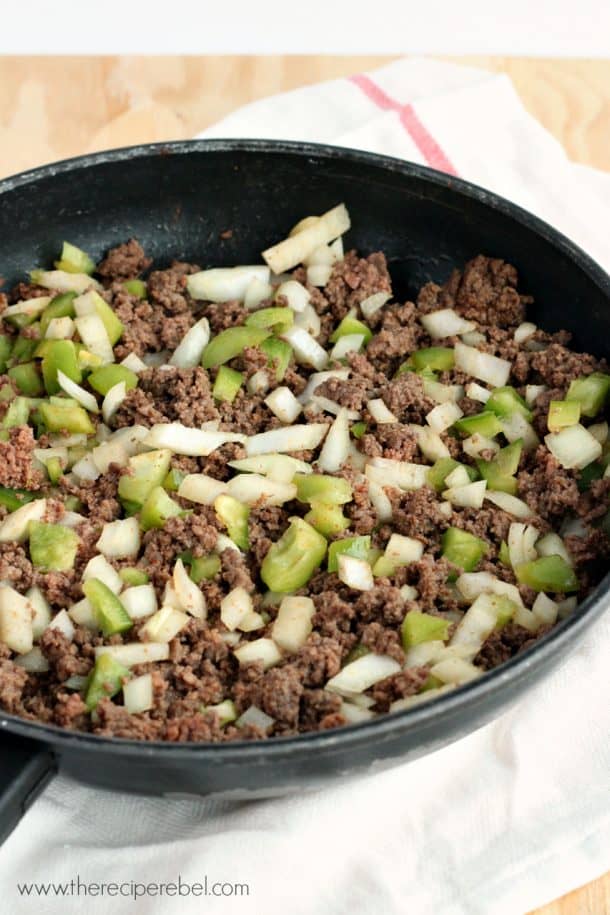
column 496, row 824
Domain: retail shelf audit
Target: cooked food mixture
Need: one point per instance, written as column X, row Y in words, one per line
column 247, row 502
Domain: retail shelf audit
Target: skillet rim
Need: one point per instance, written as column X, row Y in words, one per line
column 479, row 692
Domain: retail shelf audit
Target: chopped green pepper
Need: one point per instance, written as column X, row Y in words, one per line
column 6, row 346
column 106, row 376
column 234, row 515
column 230, row 343
column 133, row 576
column 505, row 401
column 106, row 680
column 204, row 567
column 549, row 573
column 61, row 306
column 59, row 355
column 590, row 391
column 279, row 319
column 437, row 358
column 422, row 627
column 499, row 472
column 24, row 349
column 52, row 546
column 145, row 472
column 72, row 417
column 17, row 414
column 157, row 508
column 358, row 429
column 485, row 423
column 317, row 486
column 108, row 609
column 505, row 609
column 326, row 517
column 15, row 498
column 74, row 260
column 462, row 549
column 173, row 480
column 291, row 561
column 27, row 378
column 136, row 288
column 54, row 469
column 358, row 651
column 441, row 469
column 588, row 474
column 358, row 547
column 350, row 325
column 504, row 554
column 563, row 413
column 227, row 384
column 279, row 354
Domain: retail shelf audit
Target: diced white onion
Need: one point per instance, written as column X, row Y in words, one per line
column 455, row 671
column 120, row 539
column 138, row 694
column 336, row 446
column 165, row 624
column 16, row 620
column 133, row 362
column 258, row 383
column 457, row 477
column 34, row 661
column 296, row 295
column 545, row 609
column 349, row 343
column 93, row 333
column 235, row 607
column 223, row 284
column 521, row 543
column 353, row 714
column 337, row 249
column 401, row 705
column 29, row 307
column 60, row 328
column 374, row 302
column 41, row 610
column 308, row 320
column 113, row 400
column 288, row 438
column 256, row 292
column 527, row 619
column 380, row 412
column 254, row 717
column 86, row 468
column 318, row 378
column 510, row 504
column 306, row 348
column 184, row 440
column 441, row 393
column 263, row 650
column 408, row 592
column 84, row 398
column 477, row 624
column 109, row 452
column 16, row 525
column 516, row 427
column 280, row 467
column 293, row 623
column 321, row 255
column 329, row 406
column 61, row 281
column 251, row 622
column 472, row 584
column 99, row 567
column 469, row 496
column 476, row 392
column 476, row 443
column 130, row 438
column 83, row 614
column 446, row 323
column 190, row 597
column 189, row 351
column 136, row 652
column 484, row 366
column 404, row 475
column 533, row 391
column 552, row 545
column 139, row 601
column 403, row 550
column 380, row 501
column 319, row 274
column 198, row 487
column 283, row 404
column 62, row 622
column 473, row 338
column 524, row 331
column 574, row 447
column 430, row 443
column 362, row 673
column 355, row 573
column 443, row 416
column 567, row 606
column 225, row 543
column 293, row 250
column 252, row 488
column 599, row 431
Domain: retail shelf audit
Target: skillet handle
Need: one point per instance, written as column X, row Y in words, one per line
column 26, row 768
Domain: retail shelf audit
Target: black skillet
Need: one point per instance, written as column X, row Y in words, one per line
column 177, row 199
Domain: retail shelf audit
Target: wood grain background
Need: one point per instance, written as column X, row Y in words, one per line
column 54, row 107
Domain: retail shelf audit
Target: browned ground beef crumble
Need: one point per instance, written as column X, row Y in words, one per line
column 202, row 669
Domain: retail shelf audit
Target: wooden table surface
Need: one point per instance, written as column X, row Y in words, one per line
column 54, row 107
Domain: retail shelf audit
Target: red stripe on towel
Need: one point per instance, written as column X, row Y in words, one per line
column 421, row 136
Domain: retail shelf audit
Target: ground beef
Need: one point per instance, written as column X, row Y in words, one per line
column 354, row 279
column 15, row 566
column 384, row 640
column 502, row 644
column 196, row 532
column 405, row 398
column 352, row 394
column 361, row 511
column 398, row 686
column 99, row 497
column 417, row 514
column 247, row 414
column 558, row 366
column 548, row 489
column 227, row 314
column 486, row 293
column 318, row 660
column 16, row 469
column 167, row 288
column 63, row 656
column 169, row 395
column 142, row 323
column 124, row 262
column 265, row 525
